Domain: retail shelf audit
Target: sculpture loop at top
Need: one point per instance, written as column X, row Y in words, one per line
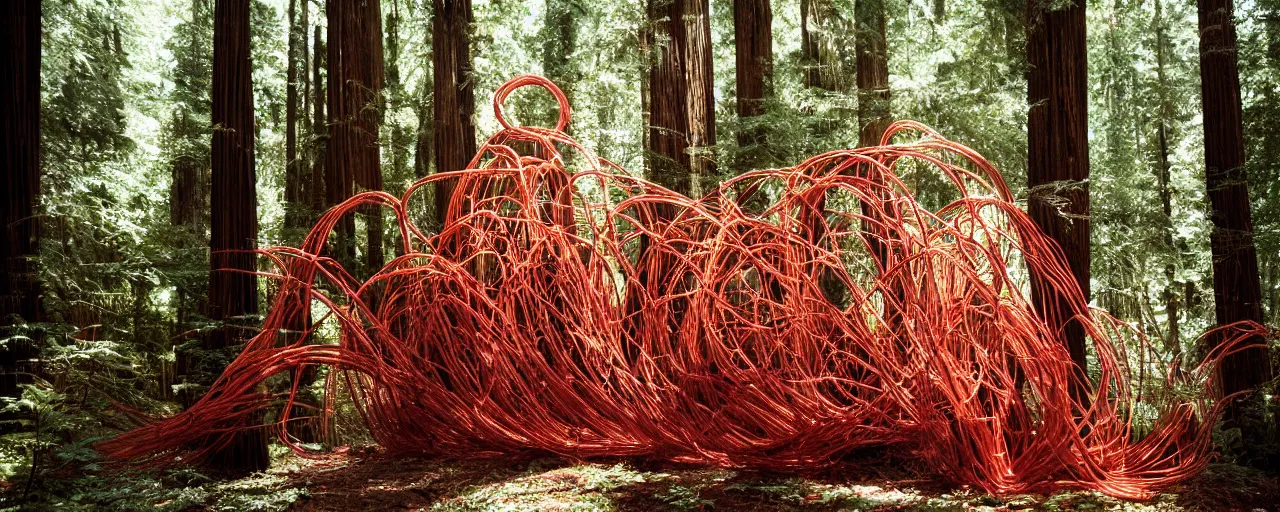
column 500, row 97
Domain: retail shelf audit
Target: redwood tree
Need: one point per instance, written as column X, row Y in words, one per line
column 872, row 67
column 753, row 42
column 319, row 128
column 1236, row 285
column 355, row 82
column 681, row 104
column 1058, row 151
column 681, row 126
column 296, row 195
column 20, row 158
column 454, row 129
column 1164, row 175
column 824, row 38
column 559, row 36
column 233, row 290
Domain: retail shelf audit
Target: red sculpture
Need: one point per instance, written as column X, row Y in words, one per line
column 782, row 321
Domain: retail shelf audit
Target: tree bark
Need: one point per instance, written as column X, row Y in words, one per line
column 681, row 103
column 296, row 202
column 20, row 157
column 233, row 291
column 1058, row 154
column 1173, row 342
column 454, row 94
column 189, row 188
column 355, row 83
column 872, row 67
column 559, row 39
column 1236, row 285
column 422, row 156
column 753, row 42
column 319, row 188
column 824, row 38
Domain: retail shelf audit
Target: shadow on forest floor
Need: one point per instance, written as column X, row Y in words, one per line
column 375, row 482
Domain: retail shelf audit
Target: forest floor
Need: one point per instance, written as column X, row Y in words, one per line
column 374, row 482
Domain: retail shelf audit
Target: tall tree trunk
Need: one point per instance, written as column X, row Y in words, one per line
column 298, row 200
column 296, row 203
column 20, row 156
column 422, row 147
column 233, row 291
column 681, row 127
column 319, row 178
column 422, row 156
column 454, row 129
column 355, row 83
column 1173, row 342
column 872, row 68
column 559, row 39
column 189, row 188
column 644, row 39
column 824, row 39
column 753, row 42
column 1237, row 289
column 396, row 98
column 681, row 105
column 1058, row 153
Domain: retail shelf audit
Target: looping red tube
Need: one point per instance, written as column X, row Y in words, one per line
column 786, row 319
column 500, row 98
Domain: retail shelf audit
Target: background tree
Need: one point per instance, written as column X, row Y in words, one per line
column 355, row 78
column 20, row 145
column 559, row 36
column 872, row 71
column 454, row 97
column 233, row 289
column 320, row 128
column 681, row 104
column 188, row 151
column 1259, row 52
column 753, row 65
column 1058, row 149
column 297, row 197
column 826, row 36
column 1164, row 176
column 1236, row 283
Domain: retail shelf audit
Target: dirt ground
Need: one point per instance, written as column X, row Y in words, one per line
column 380, row 483
column 371, row 481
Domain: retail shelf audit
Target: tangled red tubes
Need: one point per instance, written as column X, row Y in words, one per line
column 788, row 318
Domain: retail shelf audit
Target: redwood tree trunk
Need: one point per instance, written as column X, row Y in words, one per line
column 454, row 130
column 1236, row 285
column 872, row 71
column 355, row 82
column 559, row 40
column 20, row 157
column 320, row 129
column 1173, row 336
column 1058, row 152
column 233, row 292
column 681, row 105
column 824, row 37
column 295, row 200
column 298, row 203
column 753, row 42
column 681, row 129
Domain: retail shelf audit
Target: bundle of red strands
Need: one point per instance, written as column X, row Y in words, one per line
column 783, row 321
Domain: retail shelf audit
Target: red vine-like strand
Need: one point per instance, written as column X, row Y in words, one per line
column 788, row 318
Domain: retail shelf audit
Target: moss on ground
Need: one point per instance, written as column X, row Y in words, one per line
column 373, row 482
